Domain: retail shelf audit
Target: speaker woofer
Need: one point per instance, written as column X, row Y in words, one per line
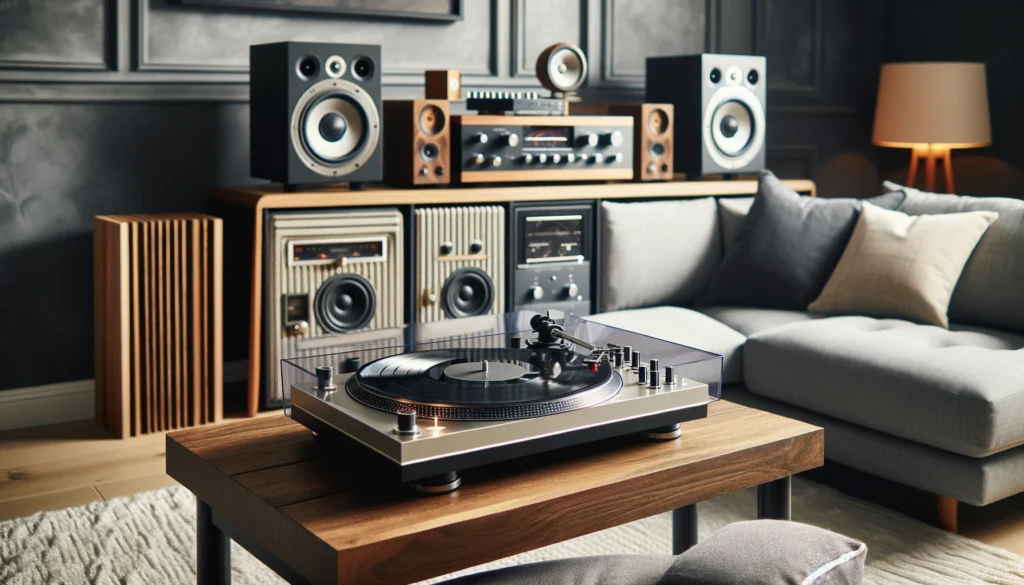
column 431, row 120
column 466, row 293
column 732, row 127
column 345, row 302
column 562, row 67
column 335, row 127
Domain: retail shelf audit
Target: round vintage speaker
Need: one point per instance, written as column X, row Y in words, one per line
column 562, row 67
column 335, row 127
column 733, row 126
column 431, row 120
column 467, row 292
column 345, row 302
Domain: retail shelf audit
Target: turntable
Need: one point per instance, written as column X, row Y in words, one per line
column 469, row 392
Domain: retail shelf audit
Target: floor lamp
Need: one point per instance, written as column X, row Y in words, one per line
column 932, row 108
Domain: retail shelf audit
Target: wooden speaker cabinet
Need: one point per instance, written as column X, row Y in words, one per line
column 418, row 137
column 652, row 139
column 158, row 312
column 443, row 84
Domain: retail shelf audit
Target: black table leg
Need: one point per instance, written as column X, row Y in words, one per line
column 684, row 528
column 213, row 554
column 774, row 499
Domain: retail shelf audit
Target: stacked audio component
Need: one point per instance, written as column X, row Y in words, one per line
column 158, row 321
column 719, row 110
column 552, row 257
column 314, row 113
column 460, row 262
column 418, row 136
column 331, row 273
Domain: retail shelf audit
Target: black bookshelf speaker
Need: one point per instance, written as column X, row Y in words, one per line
column 719, row 103
column 314, row 113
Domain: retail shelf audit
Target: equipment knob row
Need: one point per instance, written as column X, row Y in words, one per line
column 572, row 289
column 536, row 293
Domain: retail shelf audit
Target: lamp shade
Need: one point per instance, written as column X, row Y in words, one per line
column 942, row 104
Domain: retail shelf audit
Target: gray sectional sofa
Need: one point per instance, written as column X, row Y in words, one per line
column 940, row 410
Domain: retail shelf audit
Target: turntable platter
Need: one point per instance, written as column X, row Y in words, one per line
column 484, row 384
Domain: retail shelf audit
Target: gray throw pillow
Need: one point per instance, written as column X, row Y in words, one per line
column 787, row 248
column 597, row 570
column 770, row 552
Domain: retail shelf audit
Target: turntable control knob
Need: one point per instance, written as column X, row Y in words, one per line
column 654, row 365
column 614, row 138
column 527, row 158
column 478, row 158
column 572, row 289
column 542, row 158
column 536, row 293
column 407, row 421
column 617, row 356
column 495, row 161
column 635, row 360
column 655, row 375
column 447, row 248
column 590, row 139
column 597, row 158
column 641, row 376
column 617, row 157
column 556, row 158
column 627, row 353
column 511, row 139
column 325, row 378
column 669, row 378
column 476, row 246
column 480, row 137
column 570, row 158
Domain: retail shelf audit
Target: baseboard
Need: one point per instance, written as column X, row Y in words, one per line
column 51, row 404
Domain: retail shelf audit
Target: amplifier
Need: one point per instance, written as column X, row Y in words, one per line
column 552, row 253
column 512, row 149
column 333, row 277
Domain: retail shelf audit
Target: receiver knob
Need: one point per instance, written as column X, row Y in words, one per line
column 617, row 157
column 447, row 248
column 476, row 246
column 556, row 158
column 478, row 158
column 527, row 158
column 480, row 137
column 511, row 138
column 597, row 158
column 542, row 158
column 536, row 293
column 495, row 161
column 589, row 139
column 583, row 157
column 570, row 158
column 614, row 138
column 572, row 289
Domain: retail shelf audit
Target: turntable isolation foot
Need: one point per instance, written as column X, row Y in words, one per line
column 441, row 483
column 665, row 433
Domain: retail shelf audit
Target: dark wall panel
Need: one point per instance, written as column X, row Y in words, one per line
column 68, row 34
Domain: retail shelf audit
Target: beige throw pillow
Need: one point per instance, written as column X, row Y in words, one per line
column 898, row 265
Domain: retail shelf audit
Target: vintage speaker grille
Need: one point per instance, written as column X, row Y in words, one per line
column 460, row 226
column 386, row 276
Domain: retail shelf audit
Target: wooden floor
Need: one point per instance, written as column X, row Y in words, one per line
column 71, row 464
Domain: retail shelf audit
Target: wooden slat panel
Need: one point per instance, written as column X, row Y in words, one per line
column 217, row 316
column 99, row 262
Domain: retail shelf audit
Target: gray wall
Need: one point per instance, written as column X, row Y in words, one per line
column 122, row 106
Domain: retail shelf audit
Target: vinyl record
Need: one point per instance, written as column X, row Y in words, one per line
column 484, row 384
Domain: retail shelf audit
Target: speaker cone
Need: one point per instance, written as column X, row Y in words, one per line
column 562, row 67
column 732, row 127
column 467, row 292
column 431, row 120
column 345, row 302
column 335, row 127
column 657, row 122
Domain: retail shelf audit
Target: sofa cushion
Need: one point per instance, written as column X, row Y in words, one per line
column 686, row 327
column 751, row 320
column 770, row 552
column 658, row 252
column 787, row 247
column 961, row 389
column 988, row 293
column 596, row 570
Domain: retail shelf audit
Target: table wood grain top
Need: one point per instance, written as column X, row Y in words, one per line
column 299, row 500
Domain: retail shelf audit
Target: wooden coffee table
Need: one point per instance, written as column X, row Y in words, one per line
column 295, row 504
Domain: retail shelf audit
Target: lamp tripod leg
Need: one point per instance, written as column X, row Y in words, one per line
column 915, row 158
column 947, row 168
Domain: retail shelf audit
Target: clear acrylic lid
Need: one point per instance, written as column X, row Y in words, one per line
column 495, row 331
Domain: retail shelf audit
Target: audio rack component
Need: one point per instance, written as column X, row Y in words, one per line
column 158, row 321
column 425, row 413
column 460, row 262
column 503, row 149
column 443, row 84
column 520, row 103
column 562, row 68
column 314, row 113
column 329, row 274
column 418, row 135
column 652, row 145
column 719, row 110
column 551, row 258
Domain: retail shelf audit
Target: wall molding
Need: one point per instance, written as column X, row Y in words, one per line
column 46, row 405
column 814, row 88
column 804, row 154
column 103, row 63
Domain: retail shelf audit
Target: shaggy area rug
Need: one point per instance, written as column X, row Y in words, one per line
column 150, row 538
